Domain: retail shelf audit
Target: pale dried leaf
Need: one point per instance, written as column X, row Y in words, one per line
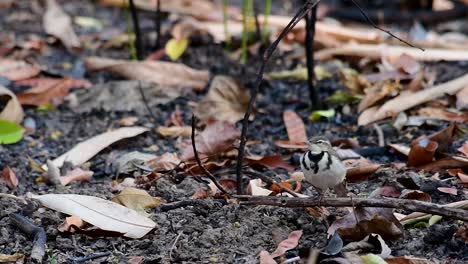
column 294, row 126
column 9, row 177
column 12, row 110
column 101, row 213
column 464, row 149
column 137, row 199
column 226, row 100
column 159, row 72
column 165, row 162
column 175, row 131
column 76, row 175
column 255, row 188
column 59, row 24
column 266, row 258
column 16, row 70
column 291, row 242
column 462, row 99
column 85, row 150
column 69, row 222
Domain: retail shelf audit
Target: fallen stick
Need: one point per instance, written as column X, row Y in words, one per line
column 378, row 51
column 411, row 205
column 37, row 232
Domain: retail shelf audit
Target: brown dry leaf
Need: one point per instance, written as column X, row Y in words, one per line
column 294, row 126
column 462, row 99
column 228, row 185
column 12, row 110
column 371, row 220
column 70, row 222
column 273, row 161
column 291, row 144
column 75, row 175
column 359, row 170
column 422, row 152
column 9, row 177
column 445, row 137
column 194, row 169
column 15, row 258
column 443, row 114
column 226, row 100
column 217, row 137
column 276, row 189
column 416, row 195
column 448, row 190
column 165, row 162
column 291, row 242
column 117, row 186
column 462, row 233
column 50, row 91
column 441, row 165
column 406, row 63
column 354, row 81
column 137, row 199
column 407, row 100
column 128, row 121
column 266, row 258
column 159, row 72
column 200, row 194
column 408, row 260
column 463, row 177
column 378, row 92
column 175, row 131
column 59, row 24
column 464, row 149
column 16, row 70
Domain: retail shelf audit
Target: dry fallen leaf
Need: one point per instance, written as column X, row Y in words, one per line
column 71, row 221
column 407, row 100
column 85, row 150
column 15, row 258
column 422, row 152
column 273, row 161
column 9, row 177
column 464, row 149
column 255, row 188
column 137, row 199
column 175, row 131
column 58, row 24
column 291, row 242
column 378, row 92
column 165, row 162
column 406, row 63
column 359, row 170
column 101, row 213
column 462, row 99
column 266, row 258
column 159, row 72
column 216, row 138
column 16, row 70
column 226, row 100
column 294, row 126
column 12, row 110
column 50, row 91
column 448, row 190
column 408, row 260
column 76, row 174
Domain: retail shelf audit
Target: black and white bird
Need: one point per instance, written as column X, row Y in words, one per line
column 321, row 166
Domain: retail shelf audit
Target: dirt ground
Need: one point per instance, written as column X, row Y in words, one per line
column 210, row 231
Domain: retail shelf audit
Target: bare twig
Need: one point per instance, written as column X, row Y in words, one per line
column 37, row 232
column 310, row 19
column 258, row 32
column 136, row 29
column 174, row 244
column 380, row 134
column 200, row 164
column 12, row 196
column 145, row 102
column 379, row 28
column 157, row 25
column 411, row 205
column 266, row 56
column 268, row 180
column 185, row 203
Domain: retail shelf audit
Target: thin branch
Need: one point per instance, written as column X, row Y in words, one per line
column 266, row 56
column 379, row 28
column 411, row 205
column 36, row 232
column 258, row 32
column 145, row 102
column 200, row 164
column 271, row 181
column 186, row 203
column 310, row 19
column 157, row 25
column 380, row 134
column 136, row 29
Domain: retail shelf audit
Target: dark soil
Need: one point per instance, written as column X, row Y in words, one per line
column 210, row 231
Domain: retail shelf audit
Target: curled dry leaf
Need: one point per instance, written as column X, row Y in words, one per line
column 291, row 242
column 12, row 111
column 51, row 91
column 101, row 213
column 406, row 63
column 9, row 177
column 294, row 126
column 462, row 99
column 422, row 152
column 359, row 170
column 137, row 199
column 75, row 175
column 85, row 150
column 226, row 100
column 158, row 72
column 448, row 190
column 416, row 195
column 59, row 24
column 255, row 188
column 377, row 93
column 165, row 162
column 16, row 70
column 175, row 131
column 217, row 137
column 445, row 137
column 69, row 223
column 371, row 220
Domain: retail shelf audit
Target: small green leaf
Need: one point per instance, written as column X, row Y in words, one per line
column 317, row 115
column 10, row 132
column 373, row 259
column 175, row 48
column 342, row 97
column 300, row 74
column 434, row 219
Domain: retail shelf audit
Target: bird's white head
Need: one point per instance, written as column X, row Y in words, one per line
column 319, row 144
